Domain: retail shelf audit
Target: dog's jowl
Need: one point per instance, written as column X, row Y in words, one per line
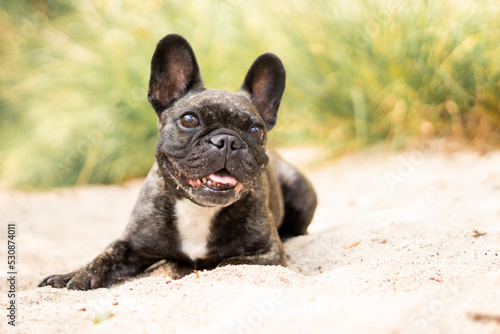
column 215, row 196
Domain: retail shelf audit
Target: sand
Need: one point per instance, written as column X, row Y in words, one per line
column 401, row 243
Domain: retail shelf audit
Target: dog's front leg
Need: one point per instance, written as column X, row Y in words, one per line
column 116, row 263
column 273, row 254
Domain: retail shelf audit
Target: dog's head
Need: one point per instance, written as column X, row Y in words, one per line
column 211, row 145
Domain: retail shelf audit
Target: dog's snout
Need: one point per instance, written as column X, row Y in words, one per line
column 226, row 142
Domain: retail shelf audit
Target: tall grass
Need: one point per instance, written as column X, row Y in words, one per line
column 73, row 76
column 419, row 68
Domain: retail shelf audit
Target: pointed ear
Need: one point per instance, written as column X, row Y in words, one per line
column 174, row 71
column 265, row 82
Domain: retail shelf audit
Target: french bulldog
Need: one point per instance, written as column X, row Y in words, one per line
column 215, row 196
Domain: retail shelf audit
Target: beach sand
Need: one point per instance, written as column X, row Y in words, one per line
column 407, row 242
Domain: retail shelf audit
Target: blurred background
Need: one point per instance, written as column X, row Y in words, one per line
column 74, row 76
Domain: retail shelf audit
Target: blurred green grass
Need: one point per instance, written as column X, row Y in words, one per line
column 73, row 76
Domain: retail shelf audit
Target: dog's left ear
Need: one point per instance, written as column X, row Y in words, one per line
column 174, row 71
column 265, row 82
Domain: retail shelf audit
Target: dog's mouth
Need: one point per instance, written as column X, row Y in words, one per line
column 219, row 181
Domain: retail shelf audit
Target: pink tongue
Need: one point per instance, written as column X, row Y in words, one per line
column 222, row 177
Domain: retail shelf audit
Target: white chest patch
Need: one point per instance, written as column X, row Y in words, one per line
column 193, row 223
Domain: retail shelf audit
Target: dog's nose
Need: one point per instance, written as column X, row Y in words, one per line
column 226, row 142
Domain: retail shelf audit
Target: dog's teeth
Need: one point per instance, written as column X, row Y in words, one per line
column 209, row 182
column 204, row 180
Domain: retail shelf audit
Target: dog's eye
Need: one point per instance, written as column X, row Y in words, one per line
column 189, row 121
column 257, row 132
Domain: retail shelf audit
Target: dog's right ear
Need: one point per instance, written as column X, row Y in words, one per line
column 174, row 71
column 265, row 82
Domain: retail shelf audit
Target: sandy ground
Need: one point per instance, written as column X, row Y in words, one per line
column 403, row 243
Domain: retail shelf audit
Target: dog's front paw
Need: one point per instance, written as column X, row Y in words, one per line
column 77, row 280
column 56, row 281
